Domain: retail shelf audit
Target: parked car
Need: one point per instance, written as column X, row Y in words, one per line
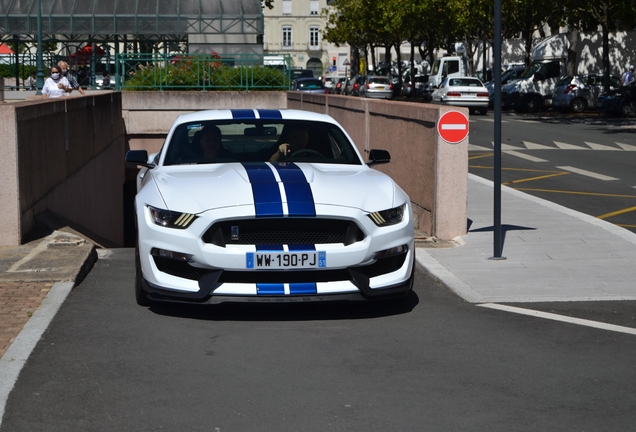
column 506, row 77
column 337, row 84
column 466, row 92
column 621, row 101
column 417, row 85
column 331, row 82
column 301, row 73
column 317, row 223
column 353, row 85
column 580, row 92
column 377, row 87
column 309, row 85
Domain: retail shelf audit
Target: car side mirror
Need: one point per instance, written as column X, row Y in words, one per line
column 139, row 157
column 377, row 156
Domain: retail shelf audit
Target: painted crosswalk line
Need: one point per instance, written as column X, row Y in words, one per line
column 595, row 146
column 587, row 173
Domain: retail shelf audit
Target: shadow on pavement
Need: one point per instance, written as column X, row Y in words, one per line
column 314, row 311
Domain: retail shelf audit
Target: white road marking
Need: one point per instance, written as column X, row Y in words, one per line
column 473, row 147
column 626, row 147
column 506, row 147
column 561, row 318
column 587, row 173
column 595, row 146
column 528, row 121
column 566, row 146
column 534, row 146
column 525, row 156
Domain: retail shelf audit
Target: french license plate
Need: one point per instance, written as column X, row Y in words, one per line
column 379, row 87
column 286, row 260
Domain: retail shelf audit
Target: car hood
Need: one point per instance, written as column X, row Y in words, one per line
column 195, row 189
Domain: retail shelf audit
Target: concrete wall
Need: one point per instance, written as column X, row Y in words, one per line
column 64, row 155
column 149, row 115
column 431, row 171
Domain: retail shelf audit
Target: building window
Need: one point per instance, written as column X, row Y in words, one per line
column 287, row 36
column 314, row 37
column 313, row 7
column 287, row 7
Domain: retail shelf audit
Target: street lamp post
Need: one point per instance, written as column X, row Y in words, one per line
column 40, row 63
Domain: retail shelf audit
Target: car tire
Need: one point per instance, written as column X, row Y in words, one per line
column 532, row 104
column 483, row 111
column 578, row 105
column 629, row 109
column 141, row 295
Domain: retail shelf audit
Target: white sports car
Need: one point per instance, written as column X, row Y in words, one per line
column 269, row 205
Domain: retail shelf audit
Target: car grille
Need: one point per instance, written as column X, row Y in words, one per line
column 283, row 231
column 184, row 270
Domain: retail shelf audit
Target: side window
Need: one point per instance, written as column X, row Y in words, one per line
column 553, row 70
column 453, row 66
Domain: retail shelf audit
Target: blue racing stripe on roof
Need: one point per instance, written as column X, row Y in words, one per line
column 300, row 199
column 267, row 199
column 243, row 114
column 269, row 114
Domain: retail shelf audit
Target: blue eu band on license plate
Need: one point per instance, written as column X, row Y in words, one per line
column 285, row 260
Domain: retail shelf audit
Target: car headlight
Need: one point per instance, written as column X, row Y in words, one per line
column 388, row 217
column 171, row 219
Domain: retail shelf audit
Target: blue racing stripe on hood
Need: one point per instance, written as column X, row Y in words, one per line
column 243, row 114
column 267, row 199
column 300, row 199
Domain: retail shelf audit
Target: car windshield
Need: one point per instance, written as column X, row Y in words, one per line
column 464, row 82
column 225, row 141
column 310, row 85
column 377, row 80
column 534, row 68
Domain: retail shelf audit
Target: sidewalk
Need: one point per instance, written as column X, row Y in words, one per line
column 552, row 253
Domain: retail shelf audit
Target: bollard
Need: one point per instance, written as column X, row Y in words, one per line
column 1, row 89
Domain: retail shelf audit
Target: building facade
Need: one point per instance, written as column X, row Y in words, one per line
column 295, row 27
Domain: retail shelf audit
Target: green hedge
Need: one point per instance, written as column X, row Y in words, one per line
column 209, row 75
column 8, row 71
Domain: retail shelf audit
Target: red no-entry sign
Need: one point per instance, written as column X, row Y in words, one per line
column 453, row 127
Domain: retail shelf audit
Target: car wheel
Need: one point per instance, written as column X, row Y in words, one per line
column 532, row 104
column 579, row 105
column 471, row 111
column 629, row 109
column 141, row 295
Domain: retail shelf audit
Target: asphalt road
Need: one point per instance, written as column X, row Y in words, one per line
column 586, row 163
column 432, row 362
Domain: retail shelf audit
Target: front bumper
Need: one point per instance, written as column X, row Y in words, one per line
column 218, row 273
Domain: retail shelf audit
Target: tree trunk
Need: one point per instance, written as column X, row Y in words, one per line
column 606, row 60
column 573, row 39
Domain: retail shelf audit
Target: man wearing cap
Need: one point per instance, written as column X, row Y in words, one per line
column 628, row 76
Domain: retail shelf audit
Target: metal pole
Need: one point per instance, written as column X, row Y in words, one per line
column 40, row 62
column 497, row 174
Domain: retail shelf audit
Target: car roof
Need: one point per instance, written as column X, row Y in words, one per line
column 238, row 114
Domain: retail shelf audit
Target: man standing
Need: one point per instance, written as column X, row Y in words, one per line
column 628, row 76
column 69, row 76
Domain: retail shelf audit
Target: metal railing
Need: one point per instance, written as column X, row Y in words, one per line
column 202, row 72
